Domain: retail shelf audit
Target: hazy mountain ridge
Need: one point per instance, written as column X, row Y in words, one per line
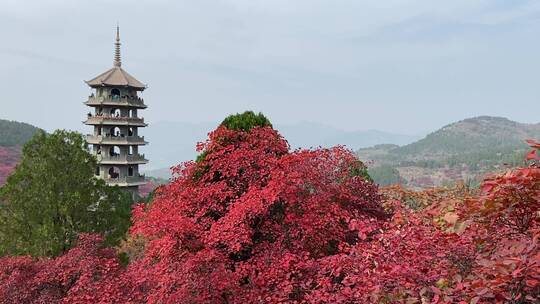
column 172, row 143
column 463, row 150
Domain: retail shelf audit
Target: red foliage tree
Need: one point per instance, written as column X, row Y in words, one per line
column 507, row 227
column 252, row 222
column 245, row 211
column 79, row 276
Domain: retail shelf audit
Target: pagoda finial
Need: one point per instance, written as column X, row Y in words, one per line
column 117, row 59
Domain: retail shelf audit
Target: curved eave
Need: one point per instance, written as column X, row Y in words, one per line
column 116, row 77
column 101, row 85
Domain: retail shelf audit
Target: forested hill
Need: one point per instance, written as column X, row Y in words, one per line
column 472, row 135
column 13, row 133
column 463, row 150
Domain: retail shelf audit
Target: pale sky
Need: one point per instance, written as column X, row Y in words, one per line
column 398, row 66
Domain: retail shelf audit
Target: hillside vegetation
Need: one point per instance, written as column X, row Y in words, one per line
column 252, row 221
column 9, row 157
column 13, row 133
column 463, row 150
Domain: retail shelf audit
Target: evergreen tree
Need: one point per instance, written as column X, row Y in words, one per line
column 245, row 121
column 386, row 175
column 53, row 196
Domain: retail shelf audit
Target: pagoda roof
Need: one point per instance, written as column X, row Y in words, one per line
column 116, row 76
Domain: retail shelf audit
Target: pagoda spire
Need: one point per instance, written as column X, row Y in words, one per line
column 117, row 60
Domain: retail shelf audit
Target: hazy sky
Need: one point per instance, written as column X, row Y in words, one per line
column 400, row 66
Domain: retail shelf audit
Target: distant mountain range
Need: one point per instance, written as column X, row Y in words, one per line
column 174, row 142
column 463, row 150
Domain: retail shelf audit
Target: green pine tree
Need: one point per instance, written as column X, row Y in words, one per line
column 246, row 121
column 53, row 196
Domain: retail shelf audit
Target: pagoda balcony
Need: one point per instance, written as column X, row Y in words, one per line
column 115, row 140
column 125, row 181
column 121, row 159
column 115, row 120
column 124, row 101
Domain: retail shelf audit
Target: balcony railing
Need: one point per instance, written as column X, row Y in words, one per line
column 133, row 101
column 105, row 139
column 125, row 180
column 115, row 159
column 114, row 120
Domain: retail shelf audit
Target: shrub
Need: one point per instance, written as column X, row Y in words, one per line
column 245, row 121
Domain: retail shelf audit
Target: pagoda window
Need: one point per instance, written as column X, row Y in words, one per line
column 130, row 132
column 130, row 171
column 114, row 172
column 114, row 151
column 97, row 171
column 130, row 150
column 116, row 113
column 115, row 93
column 115, row 132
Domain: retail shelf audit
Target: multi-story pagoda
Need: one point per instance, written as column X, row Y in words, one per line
column 115, row 141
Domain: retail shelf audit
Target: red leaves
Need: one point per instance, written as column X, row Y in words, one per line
column 511, row 201
column 511, row 272
column 251, row 222
column 79, row 276
column 533, row 144
column 533, row 154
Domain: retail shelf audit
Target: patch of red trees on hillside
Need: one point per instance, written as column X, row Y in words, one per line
column 9, row 157
column 252, row 222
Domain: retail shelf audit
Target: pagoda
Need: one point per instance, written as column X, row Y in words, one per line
column 115, row 118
